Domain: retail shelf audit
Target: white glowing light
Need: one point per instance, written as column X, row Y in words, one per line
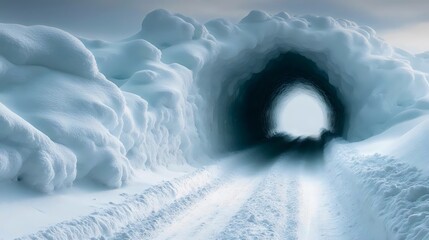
column 300, row 113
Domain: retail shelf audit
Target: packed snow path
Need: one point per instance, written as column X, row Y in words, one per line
column 285, row 198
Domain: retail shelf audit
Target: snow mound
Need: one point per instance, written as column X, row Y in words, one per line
column 73, row 108
column 164, row 29
column 63, row 120
column 46, row 47
column 395, row 190
column 65, row 117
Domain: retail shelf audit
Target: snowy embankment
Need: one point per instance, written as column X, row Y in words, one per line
column 397, row 192
column 75, row 109
column 111, row 219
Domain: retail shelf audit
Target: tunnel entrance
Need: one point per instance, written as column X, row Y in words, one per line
column 247, row 117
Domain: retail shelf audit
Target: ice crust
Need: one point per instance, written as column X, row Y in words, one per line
column 73, row 108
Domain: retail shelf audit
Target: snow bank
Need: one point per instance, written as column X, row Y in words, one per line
column 113, row 218
column 74, row 108
column 396, row 191
column 46, row 47
column 63, row 120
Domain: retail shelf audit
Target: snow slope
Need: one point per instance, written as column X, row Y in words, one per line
column 396, row 191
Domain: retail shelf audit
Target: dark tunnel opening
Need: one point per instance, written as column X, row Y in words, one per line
column 248, row 118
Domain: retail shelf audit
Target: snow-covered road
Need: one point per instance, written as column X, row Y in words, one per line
column 240, row 198
column 280, row 201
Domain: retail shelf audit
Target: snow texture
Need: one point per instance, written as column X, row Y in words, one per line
column 136, row 208
column 393, row 189
column 73, row 108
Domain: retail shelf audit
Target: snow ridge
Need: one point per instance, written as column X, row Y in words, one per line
column 111, row 219
column 398, row 192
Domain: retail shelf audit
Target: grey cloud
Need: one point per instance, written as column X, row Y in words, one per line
column 114, row 19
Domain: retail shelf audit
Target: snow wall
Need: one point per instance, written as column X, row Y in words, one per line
column 73, row 108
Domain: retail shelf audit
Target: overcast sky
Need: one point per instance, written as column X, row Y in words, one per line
column 403, row 23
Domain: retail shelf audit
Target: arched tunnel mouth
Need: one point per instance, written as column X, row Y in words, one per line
column 248, row 113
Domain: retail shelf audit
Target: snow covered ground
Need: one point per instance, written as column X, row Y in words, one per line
column 239, row 198
column 342, row 195
column 24, row 211
column 119, row 139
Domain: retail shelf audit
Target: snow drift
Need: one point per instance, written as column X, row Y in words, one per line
column 73, row 108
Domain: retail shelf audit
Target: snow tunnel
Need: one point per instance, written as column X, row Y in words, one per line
column 248, row 113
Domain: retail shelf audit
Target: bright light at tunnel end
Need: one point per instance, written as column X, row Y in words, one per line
column 300, row 112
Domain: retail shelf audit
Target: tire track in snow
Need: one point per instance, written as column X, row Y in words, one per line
column 206, row 218
column 264, row 214
column 146, row 227
column 109, row 220
column 328, row 210
column 152, row 225
column 323, row 215
column 289, row 227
